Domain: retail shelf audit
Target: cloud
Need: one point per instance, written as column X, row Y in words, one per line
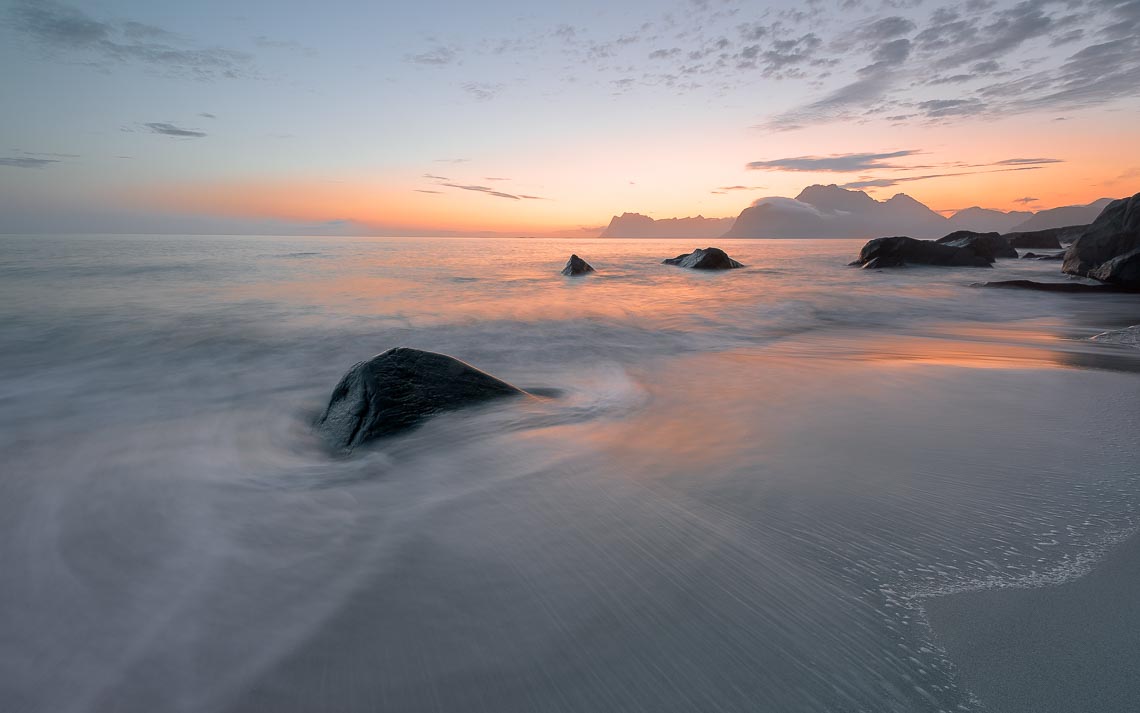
column 888, row 182
column 452, row 160
column 159, row 127
column 60, row 27
column 492, row 192
column 965, row 45
column 482, row 91
column 436, row 178
column 482, row 189
column 288, row 45
column 495, row 178
column 207, row 115
column 1025, row 200
column 835, row 163
column 938, row 108
column 1027, row 161
column 887, row 28
column 26, row 162
column 437, row 56
column 424, row 190
column 741, row 188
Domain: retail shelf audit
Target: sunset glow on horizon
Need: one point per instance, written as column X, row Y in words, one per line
column 514, row 119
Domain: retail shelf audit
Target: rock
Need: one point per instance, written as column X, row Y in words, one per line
column 898, row 251
column 1030, row 256
column 396, row 390
column 1109, row 250
column 1043, row 239
column 1122, row 270
column 704, row 259
column 1054, row 256
column 1052, row 286
column 577, row 266
column 987, row 245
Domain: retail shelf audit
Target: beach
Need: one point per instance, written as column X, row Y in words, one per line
column 796, row 486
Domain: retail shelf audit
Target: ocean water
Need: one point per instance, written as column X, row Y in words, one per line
column 747, row 486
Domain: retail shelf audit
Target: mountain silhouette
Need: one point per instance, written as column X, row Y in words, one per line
column 636, row 225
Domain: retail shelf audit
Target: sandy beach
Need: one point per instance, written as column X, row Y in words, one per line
column 1051, row 649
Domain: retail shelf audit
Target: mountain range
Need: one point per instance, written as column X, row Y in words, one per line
column 833, row 212
column 636, row 225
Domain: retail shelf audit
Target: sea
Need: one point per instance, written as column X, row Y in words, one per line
column 735, row 490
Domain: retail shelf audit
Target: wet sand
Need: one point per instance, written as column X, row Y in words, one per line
column 1065, row 648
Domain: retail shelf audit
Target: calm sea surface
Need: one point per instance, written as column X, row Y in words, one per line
column 748, row 486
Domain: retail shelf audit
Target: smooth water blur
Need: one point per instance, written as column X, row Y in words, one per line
column 748, row 486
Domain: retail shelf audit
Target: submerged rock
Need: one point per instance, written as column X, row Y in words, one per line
column 704, row 259
column 1109, row 250
column 987, row 245
column 577, row 266
column 396, row 390
column 1052, row 286
column 901, row 250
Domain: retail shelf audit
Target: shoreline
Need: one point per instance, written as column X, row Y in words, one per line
column 1060, row 648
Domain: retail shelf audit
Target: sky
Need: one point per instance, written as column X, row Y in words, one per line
column 512, row 117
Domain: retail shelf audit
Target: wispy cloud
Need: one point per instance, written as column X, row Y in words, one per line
column 483, row 91
column 159, row 127
column 437, row 56
column 1025, row 200
column 62, row 28
column 482, row 189
column 1027, row 161
column 894, row 181
column 835, row 163
column 26, row 162
column 492, row 192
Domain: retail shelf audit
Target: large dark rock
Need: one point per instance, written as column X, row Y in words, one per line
column 398, row 389
column 899, row 251
column 987, row 245
column 704, row 259
column 1044, row 239
column 1109, row 249
column 576, row 266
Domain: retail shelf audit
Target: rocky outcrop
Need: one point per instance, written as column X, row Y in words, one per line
column 703, row 259
column 1109, row 249
column 899, row 251
column 987, row 245
column 576, row 266
column 1044, row 239
column 396, row 390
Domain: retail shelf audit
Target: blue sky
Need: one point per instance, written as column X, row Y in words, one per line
column 161, row 116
